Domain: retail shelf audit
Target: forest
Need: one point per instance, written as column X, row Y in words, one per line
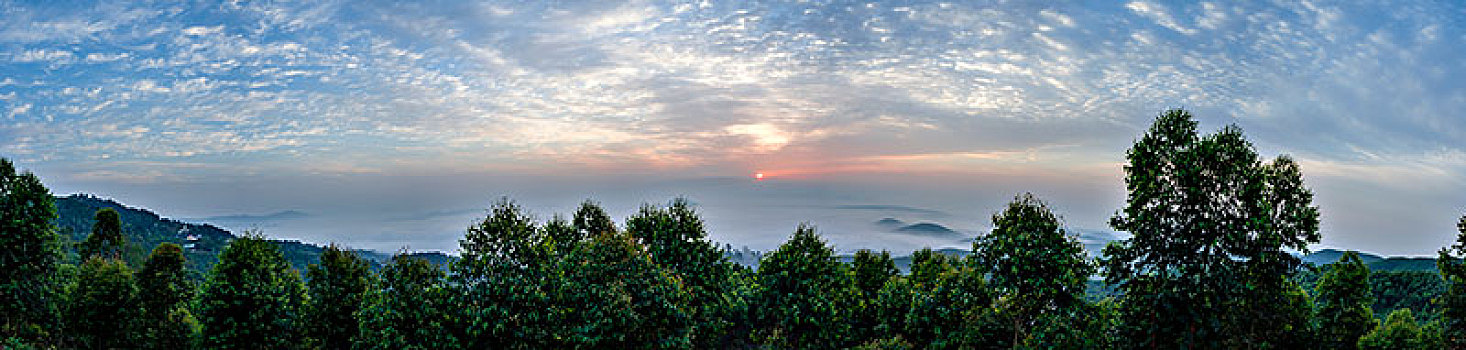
column 1214, row 262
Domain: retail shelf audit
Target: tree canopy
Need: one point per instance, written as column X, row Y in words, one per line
column 806, row 294
column 1207, row 216
column 1452, row 264
column 252, row 298
column 106, row 239
column 29, row 283
column 1342, row 307
column 1033, row 261
column 337, row 286
column 164, row 294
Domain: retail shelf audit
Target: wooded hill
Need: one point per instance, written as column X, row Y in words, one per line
column 145, row 229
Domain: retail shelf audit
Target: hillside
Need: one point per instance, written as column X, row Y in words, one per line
column 1375, row 262
column 203, row 242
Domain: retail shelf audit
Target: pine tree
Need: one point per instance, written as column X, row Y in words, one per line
column 164, row 294
column 337, row 286
column 29, row 256
column 252, row 298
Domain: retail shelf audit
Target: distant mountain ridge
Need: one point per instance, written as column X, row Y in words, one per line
column 145, row 230
column 1375, row 262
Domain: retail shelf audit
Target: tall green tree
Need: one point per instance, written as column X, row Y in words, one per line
column 618, row 299
column 807, row 295
column 252, row 298
column 675, row 239
column 29, row 256
column 872, row 272
column 1039, row 270
column 1212, row 227
column 1343, row 303
column 408, row 309
column 927, row 313
column 337, row 286
column 106, row 239
column 1452, row 265
column 164, row 293
column 501, row 283
column 102, row 304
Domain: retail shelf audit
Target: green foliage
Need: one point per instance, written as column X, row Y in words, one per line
column 1344, row 312
column 143, row 230
column 676, row 240
column 1452, row 265
column 892, row 304
column 408, row 308
column 872, row 272
column 252, row 298
column 1087, row 325
column 1084, row 326
column 106, row 239
column 1400, row 331
column 1211, row 224
column 1270, row 314
column 944, row 304
column 954, row 311
column 616, row 298
column 29, row 255
column 1393, row 290
column 892, row 343
column 591, row 220
column 502, row 283
column 101, row 305
column 1038, row 268
column 928, row 266
column 1414, row 290
column 337, row 286
column 164, row 293
column 807, row 295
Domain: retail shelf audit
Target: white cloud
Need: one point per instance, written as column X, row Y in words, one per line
column 202, row 30
column 18, row 110
column 1159, row 14
column 766, row 137
column 1057, row 17
column 97, row 57
column 44, row 55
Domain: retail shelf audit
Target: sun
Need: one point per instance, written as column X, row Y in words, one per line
column 758, row 176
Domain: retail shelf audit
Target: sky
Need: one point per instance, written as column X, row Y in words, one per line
column 393, row 126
